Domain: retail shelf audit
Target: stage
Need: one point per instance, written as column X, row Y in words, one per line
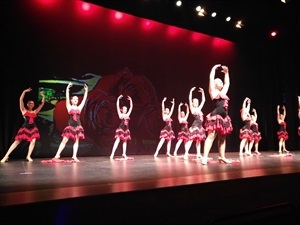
column 153, row 190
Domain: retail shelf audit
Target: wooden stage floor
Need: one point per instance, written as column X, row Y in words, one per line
column 249, row 183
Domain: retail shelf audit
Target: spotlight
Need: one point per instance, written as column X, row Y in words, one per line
column 228, row 18
column 178, row 3
column 239, row 24
column 201, row 11
column 273, row 33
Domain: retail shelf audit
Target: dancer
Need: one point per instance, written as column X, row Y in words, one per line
column 29, row 131
column 183, row 134
column 167, row 133
column 218, row 123
column 282, row 133
column 197, row 132
column 256, row 135
column 122, row 132
column 74, row 130
column 245, row 131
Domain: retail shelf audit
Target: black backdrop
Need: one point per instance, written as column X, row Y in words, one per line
column 58, row 40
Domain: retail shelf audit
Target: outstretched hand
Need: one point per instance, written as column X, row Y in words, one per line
column 85, row 87
column 28, row 89
column 224, row 69
column 70, row 85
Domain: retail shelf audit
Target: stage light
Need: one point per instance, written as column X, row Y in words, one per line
column 228, row 18
column 178, row 3
column 214, row 14
column 201, row 11
column 198, row 8
column 273, row 34
column 239, row 24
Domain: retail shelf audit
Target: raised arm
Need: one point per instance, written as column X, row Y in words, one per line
column 179, row 112
column 254, row 114
column 202, row 98
column 187, row 111
column 163, row 106
column 284, row 112
column 38, row 109
column 84, row 97
column 21, row 100
column 172, row 108
column 118, row 106
column 211, row 88
column 246, row 105
column 130, row 105
column 278, row 113
column 191, row 97
column 226, row 80
column 68, row 104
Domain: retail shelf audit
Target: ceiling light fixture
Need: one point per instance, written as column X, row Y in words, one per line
column 239, row 24
column 201, row 11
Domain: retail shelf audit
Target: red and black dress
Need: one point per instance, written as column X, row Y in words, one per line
column 74, row 129
column 256, row 135
column 29, row 130
column 167, row 132
column 282, row 133
column 197, row 131
column 245, row 131
column 123, row 131
column 218, row 119
column 183, row 134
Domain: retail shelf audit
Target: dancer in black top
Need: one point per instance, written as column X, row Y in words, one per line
column 218, row 123
column 255, row 135
column 167, row 133
column 197, row 131
column 122, row 132
column 245, row 131
column 29, row 131
column 282, row 133
column 74, row 129
column 183, row 134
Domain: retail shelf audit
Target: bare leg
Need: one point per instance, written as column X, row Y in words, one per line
column 11, row 148
column 256, row 148
column 222, row 147
column 61, row 147
column 169, row 148
column 207, row 145
column 242, row 145
column 280, row 145
column 283, row 147
column 177, row 146
column 75, row 150
column 198, row 149
column 187, row 149
column 161, row 142
column 114, row 148
column 248, row 152
column 124, row 149
column 30, row 150
column 250, row 145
